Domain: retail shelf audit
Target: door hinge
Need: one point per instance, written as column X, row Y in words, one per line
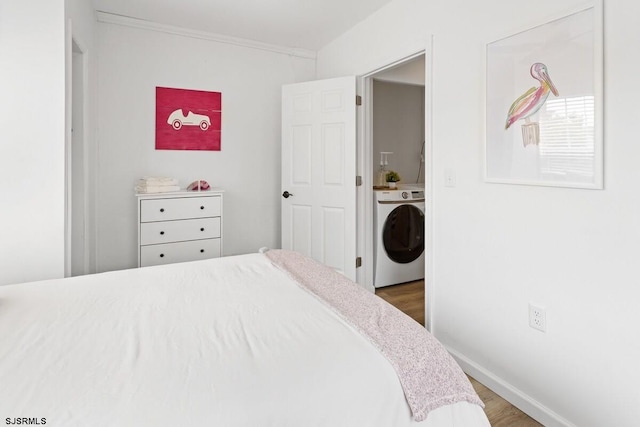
column 358, row 180
column 358, row 262
column 358, row 100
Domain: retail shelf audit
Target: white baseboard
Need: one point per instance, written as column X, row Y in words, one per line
column 517, row 398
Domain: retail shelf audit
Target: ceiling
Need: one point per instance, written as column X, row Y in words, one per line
column 302, row 24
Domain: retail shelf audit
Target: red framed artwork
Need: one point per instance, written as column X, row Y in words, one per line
column 188, row 119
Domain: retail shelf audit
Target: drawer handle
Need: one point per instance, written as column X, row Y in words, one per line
column 201, row 207
column 162, row 233
column 161, row 255
column 161, row 209
column 202, row 229
column 201, row 251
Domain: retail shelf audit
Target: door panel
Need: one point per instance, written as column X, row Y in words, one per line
column 301, row 155
column 333, row 253
column 318, row 171
column 300, row 229
column 332, row 154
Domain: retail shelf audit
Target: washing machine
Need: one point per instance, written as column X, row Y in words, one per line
column 399, row 236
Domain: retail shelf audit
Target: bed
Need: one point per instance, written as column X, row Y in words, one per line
column 265, row 339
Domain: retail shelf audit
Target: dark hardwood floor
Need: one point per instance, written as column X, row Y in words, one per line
column 409, row 298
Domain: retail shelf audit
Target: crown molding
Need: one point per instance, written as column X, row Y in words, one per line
column 110, row 18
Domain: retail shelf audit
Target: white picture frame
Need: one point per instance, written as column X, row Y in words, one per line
column 544, row 104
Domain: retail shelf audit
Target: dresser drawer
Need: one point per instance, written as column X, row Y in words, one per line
column 179, row 208
column 176, row 231
column 169, row 253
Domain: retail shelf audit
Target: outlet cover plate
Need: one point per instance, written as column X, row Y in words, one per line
column 537, row 317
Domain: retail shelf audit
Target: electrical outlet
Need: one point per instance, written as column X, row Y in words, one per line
column 537, row 317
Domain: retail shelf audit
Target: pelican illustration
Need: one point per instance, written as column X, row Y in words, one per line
column 533, row 99
column 529, row 103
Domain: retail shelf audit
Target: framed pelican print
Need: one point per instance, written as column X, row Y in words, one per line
column 544, row 104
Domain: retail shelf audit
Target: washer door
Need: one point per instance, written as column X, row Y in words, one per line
column 403, row 234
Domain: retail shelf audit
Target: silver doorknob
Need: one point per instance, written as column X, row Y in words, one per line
column 286, row 194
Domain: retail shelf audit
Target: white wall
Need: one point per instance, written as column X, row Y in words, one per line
column 32, row 117
column 398, row 126
column 411, row 72
column 133, row 61
column 498, row 247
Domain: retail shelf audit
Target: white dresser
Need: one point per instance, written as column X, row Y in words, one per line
column 181, row 226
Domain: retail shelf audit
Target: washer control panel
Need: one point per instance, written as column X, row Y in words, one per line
column 399, row 196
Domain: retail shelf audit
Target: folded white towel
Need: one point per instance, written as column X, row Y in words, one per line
column 157, row 181
column 148, row 189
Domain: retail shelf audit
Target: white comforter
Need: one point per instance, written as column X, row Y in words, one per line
column 226, row 342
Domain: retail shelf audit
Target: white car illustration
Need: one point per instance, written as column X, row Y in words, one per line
column 177, row 120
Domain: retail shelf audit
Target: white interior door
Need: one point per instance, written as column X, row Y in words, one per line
column 319, row 171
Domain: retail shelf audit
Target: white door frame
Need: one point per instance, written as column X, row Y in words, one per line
column 364, row 147
column 72, row 41
column 68, row 140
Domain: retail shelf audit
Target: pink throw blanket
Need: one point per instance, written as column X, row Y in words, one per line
column 428, row 374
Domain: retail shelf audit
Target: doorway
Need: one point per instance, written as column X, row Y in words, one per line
column 411, row 75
